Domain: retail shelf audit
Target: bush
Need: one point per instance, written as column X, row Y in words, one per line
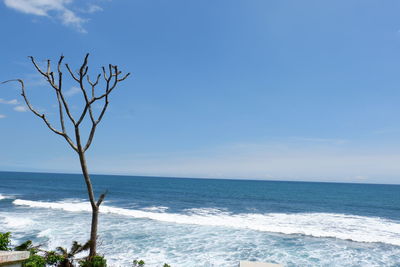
column 53, row 258
column 35, row 261
column 96, row 261
column 5, row 241
column 138, row 263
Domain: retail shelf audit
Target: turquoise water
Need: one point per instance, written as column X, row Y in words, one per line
column 209, row 222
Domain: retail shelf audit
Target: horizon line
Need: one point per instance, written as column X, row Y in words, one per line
column 202, row 178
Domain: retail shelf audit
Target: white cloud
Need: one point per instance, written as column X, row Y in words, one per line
column 20, row 108
column 72, row 91
column 49, row 8
column 2, row 116
column 94, row 9
column 69, row 18
column 9, row 102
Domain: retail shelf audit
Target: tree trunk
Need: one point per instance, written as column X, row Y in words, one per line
column 95, row 207
column 93, row 233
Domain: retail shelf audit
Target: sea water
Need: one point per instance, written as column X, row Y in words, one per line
column 208, row 222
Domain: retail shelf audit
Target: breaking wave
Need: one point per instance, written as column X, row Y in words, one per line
column 328, row 225
column 5, row 197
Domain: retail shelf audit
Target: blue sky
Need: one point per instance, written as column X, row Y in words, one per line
column 293, row 90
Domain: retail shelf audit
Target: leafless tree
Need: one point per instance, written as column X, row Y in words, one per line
column 112, row 76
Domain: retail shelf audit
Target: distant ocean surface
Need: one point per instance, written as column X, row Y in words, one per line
column 208, row 222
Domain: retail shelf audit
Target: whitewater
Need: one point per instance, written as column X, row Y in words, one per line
column 346, row 227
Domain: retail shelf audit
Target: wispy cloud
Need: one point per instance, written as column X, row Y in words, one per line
column 94, row 8
column 20, row 108
column 14, row 102
column 60, row 9
column 278, row 160
column 72, row 91
column 285, row 160
column 2, row 116
column 9, row 102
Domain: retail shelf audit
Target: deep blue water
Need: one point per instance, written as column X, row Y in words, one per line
column 237, row 196
column 294, row 223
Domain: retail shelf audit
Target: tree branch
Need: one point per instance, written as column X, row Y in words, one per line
column 42, row 116
column 101, row 198
column 58, row 92
column 112, row 78
column 70, row 72
column 82, row 72
column 50, row 79
column 37, row 67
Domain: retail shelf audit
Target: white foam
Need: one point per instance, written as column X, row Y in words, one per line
column 16, row 222
column 5, row 197
column 342, row 226
column 156, row 208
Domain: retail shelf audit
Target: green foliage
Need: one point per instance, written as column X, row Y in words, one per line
column 35, row 261
column 53, row 258
column 27, row 246
column 61, row 257
column 69, row 257
column 76, row 248
column 138, row 263
column 96, row 261
column 5, row 241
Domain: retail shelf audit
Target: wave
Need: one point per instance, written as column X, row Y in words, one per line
column 328, row 225
column 5, row 197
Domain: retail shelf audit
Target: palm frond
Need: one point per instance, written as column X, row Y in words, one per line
column 27, row 245
column 62, row 251
column 75, row 248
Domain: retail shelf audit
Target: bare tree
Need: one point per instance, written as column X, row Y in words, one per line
column 112, row 76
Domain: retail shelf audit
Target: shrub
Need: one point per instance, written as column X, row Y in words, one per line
column 35, row 261
column 138, row 263
column 5, row 241
column 53, row 258
column 96, row 261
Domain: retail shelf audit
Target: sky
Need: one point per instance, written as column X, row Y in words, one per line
column 256, row 89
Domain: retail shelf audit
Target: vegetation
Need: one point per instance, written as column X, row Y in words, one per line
column 69, row 257
column 138, row 263
column 35, row 261
column 60, row 257
column 96, row 261
column 5, row 241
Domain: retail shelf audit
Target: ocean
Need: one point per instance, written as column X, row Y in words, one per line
column 208, row 222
